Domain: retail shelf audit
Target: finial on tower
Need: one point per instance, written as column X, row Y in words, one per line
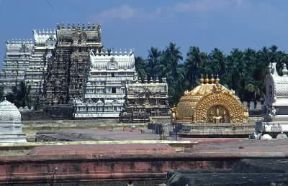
column 217, row 79
column 206, row 81
column 157, row 79
column 212, row 80
column 201, row 79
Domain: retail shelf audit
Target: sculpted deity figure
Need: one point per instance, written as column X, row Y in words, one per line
column 217, row 118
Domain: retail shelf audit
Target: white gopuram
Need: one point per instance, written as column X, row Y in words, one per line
column 10, row 123
column 105, row 88
column 275, row 121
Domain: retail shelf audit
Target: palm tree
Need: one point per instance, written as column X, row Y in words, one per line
column 194, row 62
column 217, row 62
column 172, row 56
column 140, row 65
column 171, row 59
column 153, row 62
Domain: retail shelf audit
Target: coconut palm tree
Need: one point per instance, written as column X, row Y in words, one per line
column 154, row 57
column 194, row 62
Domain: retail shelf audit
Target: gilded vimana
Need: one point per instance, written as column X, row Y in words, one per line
column 142, row 93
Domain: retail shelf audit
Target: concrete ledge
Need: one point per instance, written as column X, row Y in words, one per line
column 31, row 145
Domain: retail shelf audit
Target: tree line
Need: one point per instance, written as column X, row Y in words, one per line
column 243, row 71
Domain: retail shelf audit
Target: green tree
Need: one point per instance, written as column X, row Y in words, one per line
column 1, row 93
column 20, row 95
column 194, row 62
column 241, row 70
column 154, row 57
column 171, row 59
column 140, row 66
column 217, row 63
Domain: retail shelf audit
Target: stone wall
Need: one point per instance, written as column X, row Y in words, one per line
column 50, row 113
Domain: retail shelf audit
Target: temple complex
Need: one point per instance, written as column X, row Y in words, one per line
column 70, row 74
column 10, row 123
column 275, row 123
column 144, row 100
column 67, row 71
column 210, row 109
column 110, row 72
column 16, row 61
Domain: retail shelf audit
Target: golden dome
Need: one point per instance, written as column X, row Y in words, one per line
column 210, row 102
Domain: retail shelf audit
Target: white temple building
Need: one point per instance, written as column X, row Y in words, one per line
column 44, row 43
column 275, row 122
column 10, row 123
column 16, row 61
column 25, row 61
column 105, row 88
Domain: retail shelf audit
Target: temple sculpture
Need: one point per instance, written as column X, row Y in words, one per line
column 210, row 109
column 110, row 72
column 275, row 123
column 144, row 100
column 10, row 123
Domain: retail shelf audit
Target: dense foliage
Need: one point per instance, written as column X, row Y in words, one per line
column 241, row 70
column 20, row 95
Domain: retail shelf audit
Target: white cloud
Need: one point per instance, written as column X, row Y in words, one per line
column 205, row 5
column 123, row 12
column 126, row 12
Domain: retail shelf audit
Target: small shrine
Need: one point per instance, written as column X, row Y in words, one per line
column 145, row 100
column 10, row 123
column 210, row 109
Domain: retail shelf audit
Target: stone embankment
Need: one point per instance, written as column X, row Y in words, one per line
column 138, row 161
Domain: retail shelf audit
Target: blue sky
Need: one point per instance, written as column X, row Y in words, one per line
column 140, row 24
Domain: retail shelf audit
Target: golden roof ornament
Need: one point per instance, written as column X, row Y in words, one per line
column 201, row 79
column 217, row 80
column 210, row 102
column 212, row 80
column 206, row 79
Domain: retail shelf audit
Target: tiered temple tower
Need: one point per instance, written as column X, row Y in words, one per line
column 44, row 44
column 16, row 61
column 110, row 71
column 67, row 70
